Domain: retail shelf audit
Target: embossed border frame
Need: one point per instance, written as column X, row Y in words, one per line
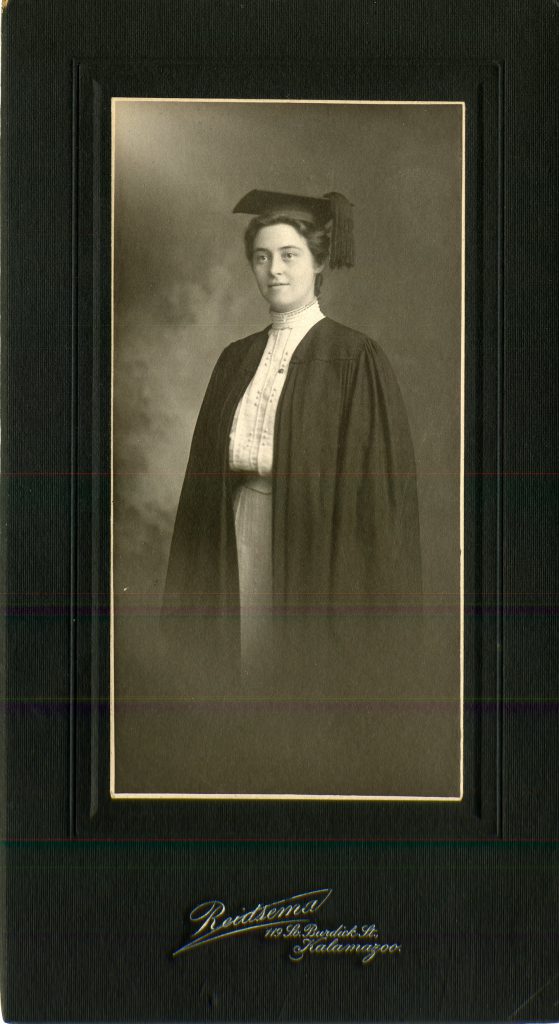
column 91, row 812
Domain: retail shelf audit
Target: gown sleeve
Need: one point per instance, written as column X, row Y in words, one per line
column 376, row 509
column 200, row 590
column 374, row 640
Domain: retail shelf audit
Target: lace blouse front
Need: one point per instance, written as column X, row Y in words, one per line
column 251, row 441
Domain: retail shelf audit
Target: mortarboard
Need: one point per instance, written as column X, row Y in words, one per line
column 331, row 210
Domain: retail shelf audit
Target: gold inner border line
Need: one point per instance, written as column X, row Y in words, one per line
column 290, row 796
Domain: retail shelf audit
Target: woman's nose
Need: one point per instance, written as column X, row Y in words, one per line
column 275, row 264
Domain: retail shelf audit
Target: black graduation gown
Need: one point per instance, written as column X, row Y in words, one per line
column 346, row 554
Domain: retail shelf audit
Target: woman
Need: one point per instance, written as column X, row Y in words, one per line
column 295, row 564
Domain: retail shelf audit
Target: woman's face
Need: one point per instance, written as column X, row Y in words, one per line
column 284, row 267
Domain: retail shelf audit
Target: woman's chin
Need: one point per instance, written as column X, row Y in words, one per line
column 279, row 302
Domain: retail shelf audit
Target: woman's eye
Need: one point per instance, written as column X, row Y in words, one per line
column 260, row 258
column 289, row 255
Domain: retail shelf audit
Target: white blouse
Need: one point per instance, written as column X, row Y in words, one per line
column 251, row 441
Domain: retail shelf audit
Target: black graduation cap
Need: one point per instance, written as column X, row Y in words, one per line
column 332, row 211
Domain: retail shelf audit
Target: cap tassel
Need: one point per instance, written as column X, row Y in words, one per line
column 341, row 236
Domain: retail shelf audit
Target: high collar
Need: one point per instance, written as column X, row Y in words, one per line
column 305, row 316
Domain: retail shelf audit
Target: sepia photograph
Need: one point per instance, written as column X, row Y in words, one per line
column 287, row 556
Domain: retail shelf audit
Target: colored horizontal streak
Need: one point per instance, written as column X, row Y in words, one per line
column 224, row 613
column 157, row 595
column 219, row 473
column 344, row 609
column 395, row 840
column 179, row 612
column 240, row 699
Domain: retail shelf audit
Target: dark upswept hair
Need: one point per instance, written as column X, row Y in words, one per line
column 317, row 239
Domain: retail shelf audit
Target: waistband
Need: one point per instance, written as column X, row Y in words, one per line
column 254, row 482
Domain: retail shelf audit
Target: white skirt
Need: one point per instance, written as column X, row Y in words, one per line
column 253, row 531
